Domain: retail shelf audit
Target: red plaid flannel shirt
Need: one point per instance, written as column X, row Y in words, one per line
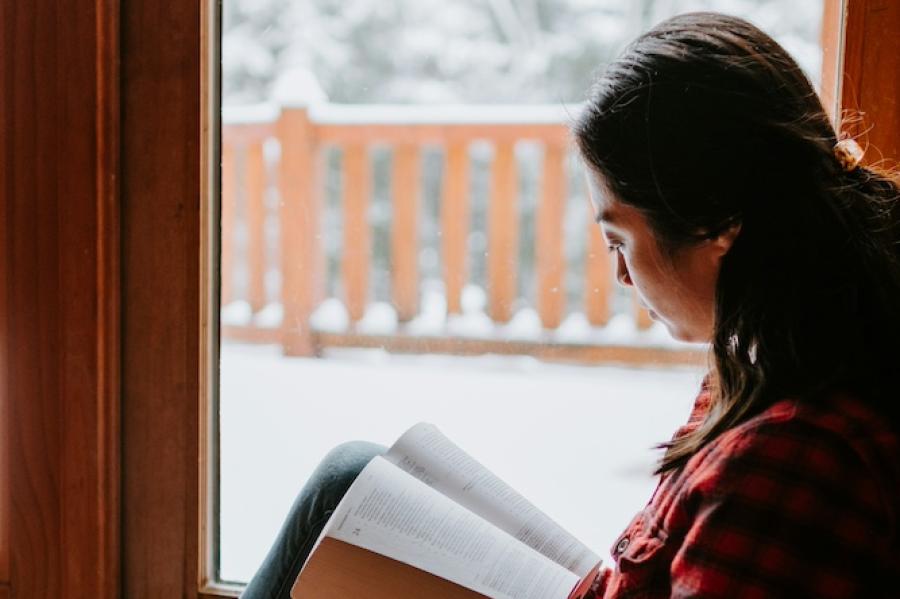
column 800, row 501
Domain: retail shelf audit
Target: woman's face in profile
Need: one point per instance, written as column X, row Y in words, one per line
column 678, row 290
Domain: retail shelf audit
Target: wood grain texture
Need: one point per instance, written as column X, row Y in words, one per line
column 598, row 277
column 220, row 591
column 357, row 247
column 162, row 197
column 405, row 231
column 60, row 198
column 207, row 481
column 871, row 79
column 255, row 209
column 572, row 353
column 5, row 197
column 549, row 257
column 455, row 223
column 302, row 258
column 228, row 217
column 503, row 233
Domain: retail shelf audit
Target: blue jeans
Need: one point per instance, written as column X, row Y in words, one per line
column 311, row 510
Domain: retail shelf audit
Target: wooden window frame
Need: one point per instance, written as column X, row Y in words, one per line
column 107, row 316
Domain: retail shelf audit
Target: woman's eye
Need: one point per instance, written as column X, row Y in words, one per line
column 613, row 248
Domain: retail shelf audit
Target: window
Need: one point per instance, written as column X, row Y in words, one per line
column 405, row 237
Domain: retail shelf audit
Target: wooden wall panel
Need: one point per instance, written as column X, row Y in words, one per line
column 871, row 81
column 5, row 197
column 161, row 165
column 60, row 308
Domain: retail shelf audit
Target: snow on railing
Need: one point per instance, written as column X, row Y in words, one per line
column 274, row 275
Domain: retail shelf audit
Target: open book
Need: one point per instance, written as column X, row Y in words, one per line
column 427, row 520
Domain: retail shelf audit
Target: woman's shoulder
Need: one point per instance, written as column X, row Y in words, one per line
column 836, row 444
column 836, row 422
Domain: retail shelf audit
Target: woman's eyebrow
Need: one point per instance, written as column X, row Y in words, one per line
column 604, row 216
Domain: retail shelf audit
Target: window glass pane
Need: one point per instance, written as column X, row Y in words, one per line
column 406, row 237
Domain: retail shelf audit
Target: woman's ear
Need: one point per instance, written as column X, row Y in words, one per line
column 724, row 240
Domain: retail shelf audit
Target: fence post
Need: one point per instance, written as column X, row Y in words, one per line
column 405, row 231
column 641, row 315
column 255, row 195
column 356, row 191
column 549, row 258
column 503, row 233
column 455, row 222
column 299, row 214
column 598, row 280
column 228, row 207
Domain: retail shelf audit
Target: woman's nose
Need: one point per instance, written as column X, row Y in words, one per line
column 622, row 274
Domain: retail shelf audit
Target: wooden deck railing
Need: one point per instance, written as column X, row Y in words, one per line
column 251, row 177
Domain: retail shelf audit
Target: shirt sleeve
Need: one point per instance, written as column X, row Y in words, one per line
column 593, row 585
column 784, row 509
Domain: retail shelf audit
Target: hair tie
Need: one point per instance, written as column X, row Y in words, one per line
column 848, row 154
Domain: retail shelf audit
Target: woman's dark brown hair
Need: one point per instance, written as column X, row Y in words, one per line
column 705, row 122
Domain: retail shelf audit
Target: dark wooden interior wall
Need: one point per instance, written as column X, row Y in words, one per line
column 871, row 85
column 161, row 169
column 60, row 299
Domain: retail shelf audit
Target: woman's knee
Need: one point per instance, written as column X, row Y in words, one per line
column 340, row 466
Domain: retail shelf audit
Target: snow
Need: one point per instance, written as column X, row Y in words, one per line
column 403, row 114
column 412, row 114
column 432, row 313
column 250, row 114
column 621, row 328
column 576, row 440
column 474, row 325
column 236, row 313
column 270, row 316
column 574, row 329
column 525, row 325
column 330, row 317
column 379, row 319
column 472, row 299
column 298, row 86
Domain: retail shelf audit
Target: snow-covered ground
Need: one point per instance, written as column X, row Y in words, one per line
column 576, row 440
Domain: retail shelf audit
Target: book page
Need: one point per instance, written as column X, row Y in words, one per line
column 425, row 453
column 391, row 513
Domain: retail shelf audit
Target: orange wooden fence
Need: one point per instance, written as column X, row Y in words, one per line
column 297, row 177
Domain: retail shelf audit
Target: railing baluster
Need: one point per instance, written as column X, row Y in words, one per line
column 355, row 265
column 228, row 208
column 255, row 194
column 598, row 280
column 503, row 236
column 641, row 315
column 404, row 235
column 455, row 222
column 302, row 266
column 549, row 246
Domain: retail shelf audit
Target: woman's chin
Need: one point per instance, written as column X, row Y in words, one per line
column 681, row 334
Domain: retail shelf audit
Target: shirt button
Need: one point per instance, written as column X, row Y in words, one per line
column 622, row 546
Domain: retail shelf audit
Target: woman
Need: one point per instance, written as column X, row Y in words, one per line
column 741, row 221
